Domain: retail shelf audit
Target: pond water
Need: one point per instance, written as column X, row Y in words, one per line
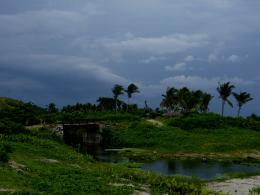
column 203, row 169
column 198, row 168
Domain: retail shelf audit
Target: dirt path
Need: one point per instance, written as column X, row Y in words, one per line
column 155, row 122
column 235, row 186
column 6, row 190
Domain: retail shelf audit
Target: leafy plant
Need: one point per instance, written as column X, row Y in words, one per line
column 5, row 149
column 9, row 127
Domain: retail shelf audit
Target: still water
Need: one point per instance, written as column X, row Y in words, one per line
column 203, row 169
column 197, row 168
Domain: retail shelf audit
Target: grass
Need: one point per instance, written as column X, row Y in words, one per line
column 228, row 141
column 255, row 191
column 227, row 176
column 42, row 164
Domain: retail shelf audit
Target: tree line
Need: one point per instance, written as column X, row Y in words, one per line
column 184, row 100
column 107, row 103
column 174, row 100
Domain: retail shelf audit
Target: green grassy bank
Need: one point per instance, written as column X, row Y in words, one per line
column 41, row 164
column 210, row 137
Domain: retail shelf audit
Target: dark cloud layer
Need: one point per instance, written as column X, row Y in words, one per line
column 67, row 51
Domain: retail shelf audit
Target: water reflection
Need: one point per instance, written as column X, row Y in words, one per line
column 198, row 168
column 204, row 169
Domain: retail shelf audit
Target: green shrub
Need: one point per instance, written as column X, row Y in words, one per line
column 247, row 123
column 252, row 124
column 213, row 121
column 198, row 121
column 9, row 127
column 254, row 191
column 4, row 151
column 174, row 186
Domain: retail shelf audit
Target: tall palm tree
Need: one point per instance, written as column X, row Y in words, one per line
column 117, row 91
column 169, row 100
column 132, row 88
column 241, row 98
column 185, row 99
column 205, row 100
column 195, row 100
column 225, row 90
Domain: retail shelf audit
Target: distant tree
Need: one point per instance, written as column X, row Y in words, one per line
column 52, row 108
column 241, row 98
column 169, row 100
column 146, row 107
column 185, row 99
column 194, row 100
column 106, row 103
column 117, row 91
column 225, row 90
column 131, row 89
column 79, row 107
column 205, row 100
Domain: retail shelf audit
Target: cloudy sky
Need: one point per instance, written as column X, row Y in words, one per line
column 67, row 51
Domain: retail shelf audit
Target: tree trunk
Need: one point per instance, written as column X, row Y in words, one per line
column 116, row 104
column 127, row 104
column 238, row 112
column 222, row 108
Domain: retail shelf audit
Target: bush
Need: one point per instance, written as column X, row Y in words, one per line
column 177, row 186
column 213, row 121
column 252, row 124
column 9, row 127
column 4, row 151
column 247, row 123
column 198, row 121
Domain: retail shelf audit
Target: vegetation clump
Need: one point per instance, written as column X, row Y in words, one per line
column 198, row 121
column 5, row 149
column 9, row 127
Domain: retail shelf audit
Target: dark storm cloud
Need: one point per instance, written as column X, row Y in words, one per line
column 67, row 51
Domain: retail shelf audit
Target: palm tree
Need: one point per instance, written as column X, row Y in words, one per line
column 225, row 90
column 170, row 98
column 52, row 108
column 132, row 88
column 185, row 99
column 117, row 91
column 242, row 98
column 205, row 100
column 105, row 103
column 195, row 100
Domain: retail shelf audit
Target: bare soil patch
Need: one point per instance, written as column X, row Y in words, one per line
column 235, row 186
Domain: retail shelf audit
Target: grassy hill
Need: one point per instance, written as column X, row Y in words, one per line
column 41, row 164
column 230, row 137
column 20, row 112
column 9, row 103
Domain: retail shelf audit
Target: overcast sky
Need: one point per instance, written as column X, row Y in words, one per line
column 66, row 51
